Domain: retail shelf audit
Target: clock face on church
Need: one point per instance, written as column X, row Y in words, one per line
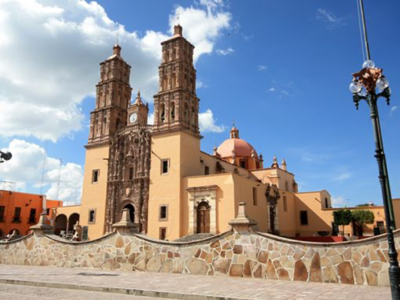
column 133, row 117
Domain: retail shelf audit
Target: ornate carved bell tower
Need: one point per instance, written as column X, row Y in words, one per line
column 176, row 105
column 113, row 94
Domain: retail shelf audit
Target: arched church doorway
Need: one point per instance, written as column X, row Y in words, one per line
column 72, row 221
column 131, row 209
column 203, row 218
column 60, row 224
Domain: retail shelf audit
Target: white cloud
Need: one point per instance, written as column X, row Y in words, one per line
column 339, row 201
column 342, row 177
column 272, row 90
column 150, row 119
column 207, row 122
column 200, row 84
column 285, row 93
column 329, row 18
column 262, row 68
column 26, row 167
column 50, row 53
column 225, row 51
column 393, row 109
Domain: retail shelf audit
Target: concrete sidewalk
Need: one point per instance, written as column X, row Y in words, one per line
column 178, row 286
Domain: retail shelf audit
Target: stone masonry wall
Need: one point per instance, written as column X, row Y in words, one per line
column 236, row 254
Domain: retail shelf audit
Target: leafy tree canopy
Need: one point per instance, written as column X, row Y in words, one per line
column 363, row 216
column 342, row 217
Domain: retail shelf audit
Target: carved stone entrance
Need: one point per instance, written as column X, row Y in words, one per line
column 272, row 195
column 203, row 218
column 203, row 209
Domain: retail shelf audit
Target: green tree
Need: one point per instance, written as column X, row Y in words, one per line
column 363, row 217
column 342, row 217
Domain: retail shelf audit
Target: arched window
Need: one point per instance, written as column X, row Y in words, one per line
column 165, row 83
column 118, row 123
column 172, row 111
column 193, row 115
column 162, row 113
column 186, row 113
column 173, row 81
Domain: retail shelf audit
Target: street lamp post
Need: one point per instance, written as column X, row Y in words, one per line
column 364, row 87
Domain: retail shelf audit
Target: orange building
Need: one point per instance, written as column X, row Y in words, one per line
column 19, row 211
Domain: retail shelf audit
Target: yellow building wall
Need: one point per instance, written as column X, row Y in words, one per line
column 183, row 152
column 319, row 219
column 94, row 195
column 287, row 214
column 244, row 193
column 69, row 210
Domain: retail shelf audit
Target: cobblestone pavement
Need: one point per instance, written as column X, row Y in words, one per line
column 178, row 286
column 12, row 292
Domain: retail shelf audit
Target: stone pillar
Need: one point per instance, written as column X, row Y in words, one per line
column 41, row 227
column 242, row 223
column 126, row 225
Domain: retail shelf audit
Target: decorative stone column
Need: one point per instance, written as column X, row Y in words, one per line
column 41, row 228
column 242, row 223
column 126, row 225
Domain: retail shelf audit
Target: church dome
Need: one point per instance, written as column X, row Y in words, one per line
column 236, row 146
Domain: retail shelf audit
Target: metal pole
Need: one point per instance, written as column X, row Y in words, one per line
column 394, row 270
column 365, row 30
column 387, row 185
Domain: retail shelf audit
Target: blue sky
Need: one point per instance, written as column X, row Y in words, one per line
column 279, row 69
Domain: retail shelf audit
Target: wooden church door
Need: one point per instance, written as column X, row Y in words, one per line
column 203, row 218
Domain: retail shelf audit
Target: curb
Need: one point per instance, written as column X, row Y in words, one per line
column 115, row 290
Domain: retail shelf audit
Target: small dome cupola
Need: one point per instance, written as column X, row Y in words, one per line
column 239, row 152
column 234, row 133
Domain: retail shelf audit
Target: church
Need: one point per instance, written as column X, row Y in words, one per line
column 171, row 188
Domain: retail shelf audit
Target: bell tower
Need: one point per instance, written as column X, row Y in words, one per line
column 113, row 94
column 176, row 105
column 138, row 112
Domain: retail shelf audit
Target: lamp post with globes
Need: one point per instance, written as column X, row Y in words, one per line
column 364, row 86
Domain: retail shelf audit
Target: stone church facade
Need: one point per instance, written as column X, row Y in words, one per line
column 158, row 172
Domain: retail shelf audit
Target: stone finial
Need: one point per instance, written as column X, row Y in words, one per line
column 117, row 49
column 284, row 165
column 242, row 223
column 41, row 227
column 215, row 151
column 138, row 99
column 275, row 163
column 125, row 224
column 178, row 30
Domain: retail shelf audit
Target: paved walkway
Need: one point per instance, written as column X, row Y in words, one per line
column 177, row 286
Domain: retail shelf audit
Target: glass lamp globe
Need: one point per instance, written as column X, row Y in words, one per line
column 355, row 87
column 362, row 93
column 382, row 83
column 368, row 64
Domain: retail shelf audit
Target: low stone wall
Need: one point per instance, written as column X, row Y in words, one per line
column 233, row 253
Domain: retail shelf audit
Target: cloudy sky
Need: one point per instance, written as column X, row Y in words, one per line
column 279, row 69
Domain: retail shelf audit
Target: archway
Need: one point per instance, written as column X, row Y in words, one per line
column 1, row 234
column 131, row 209
column 60, row 224
column 16, row 232
column 203, row 218
column 72, row 221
